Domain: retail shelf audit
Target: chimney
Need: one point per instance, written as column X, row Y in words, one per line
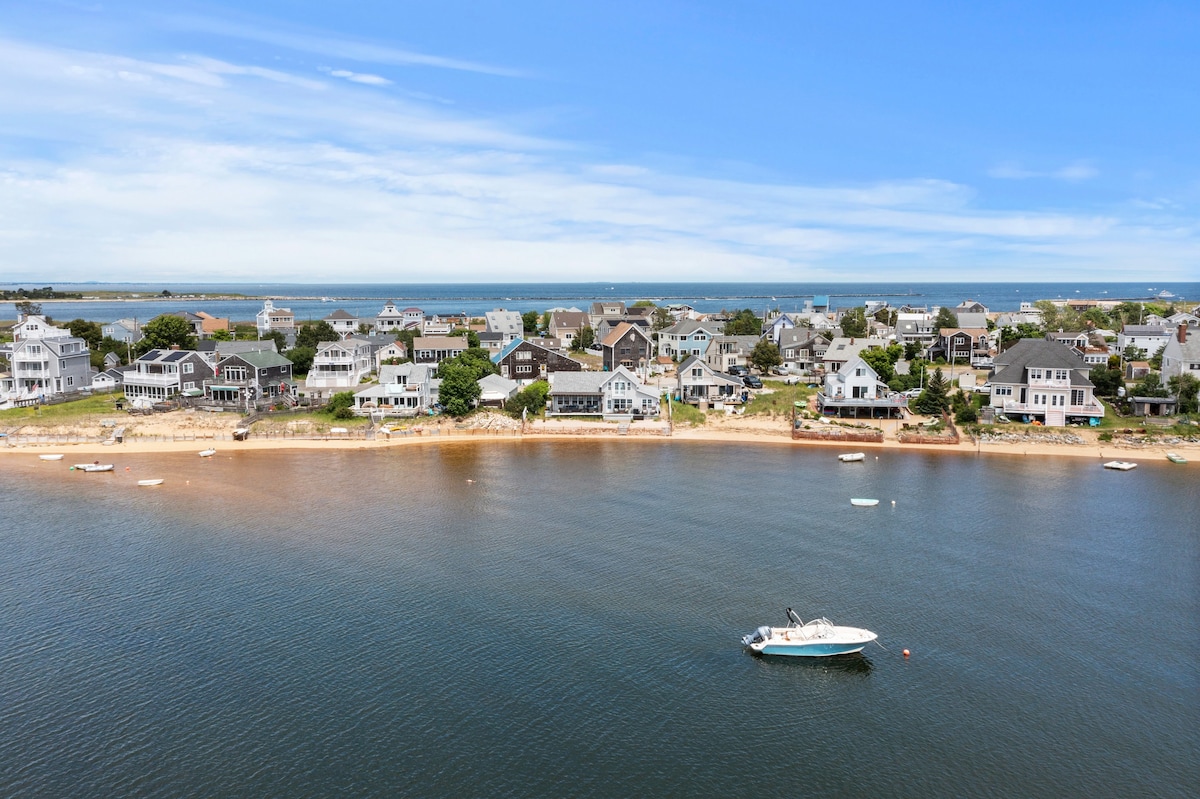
column 1182, row 332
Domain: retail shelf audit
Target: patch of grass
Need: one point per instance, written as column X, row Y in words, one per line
column 682, row 413
column 780, row 401
column 63, row 412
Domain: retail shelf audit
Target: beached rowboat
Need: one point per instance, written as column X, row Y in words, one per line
column 1121, row 466
column 50, row 457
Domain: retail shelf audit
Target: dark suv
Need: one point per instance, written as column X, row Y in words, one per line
column 738, row 371
column 750, row 381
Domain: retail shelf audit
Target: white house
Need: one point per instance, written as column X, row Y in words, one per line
column 338, row 366
column 1181, row 355
column 688, row 337
column 270, row 319
column 617, row 393
column 344, row 323
column 1040, row 380
column 45, row 361
column 1150, row 339
column 855, row 389
column 507, row 323
column 403, row 390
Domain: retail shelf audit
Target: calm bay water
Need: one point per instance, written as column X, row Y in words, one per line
column 536, row 619
column 367, row 300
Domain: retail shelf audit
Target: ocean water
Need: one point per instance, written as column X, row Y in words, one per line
column 305, row 300
column 546, row 619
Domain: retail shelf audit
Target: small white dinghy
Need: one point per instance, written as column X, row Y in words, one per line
column 851, row 457
column 156, row 481
column 816, row 638
column 207, row 453
column 859, row 502
column 98, row 467
column 1121, row 466
column 50, row 457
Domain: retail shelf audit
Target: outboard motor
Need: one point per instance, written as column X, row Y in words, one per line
column 761, row 634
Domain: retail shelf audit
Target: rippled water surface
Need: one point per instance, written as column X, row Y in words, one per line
column 546, row 619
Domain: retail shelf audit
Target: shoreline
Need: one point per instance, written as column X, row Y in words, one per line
column 1099, row 451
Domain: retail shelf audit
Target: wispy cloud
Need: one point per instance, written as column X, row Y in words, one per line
column 193, row 167
column 357, row 77
column 1076, row 171
column 335, row 46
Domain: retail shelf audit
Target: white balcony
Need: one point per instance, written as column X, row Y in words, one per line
column 169, row 379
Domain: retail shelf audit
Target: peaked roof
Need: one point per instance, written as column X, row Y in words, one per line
column 619, row 332
column 1039, row 353
column 260, row 359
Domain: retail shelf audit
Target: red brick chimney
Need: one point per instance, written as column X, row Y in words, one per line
column 1182, row 332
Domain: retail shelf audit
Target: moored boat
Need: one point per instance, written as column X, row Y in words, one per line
column 155, row 481
column 207, row 453
column 851, row 457
column 1175, row 457
column 98, row 467
column 1121, row 466
column 815, row 638
column 862, row 502
column 50, row 457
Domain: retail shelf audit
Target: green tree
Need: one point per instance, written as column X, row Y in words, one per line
column 765, row 355
column 883, row 360
column 532, row 399
column 854, row 323
column 585, row 339
column 1185, row 387
column 529, row 321
column 471, row 336
column 933, row 400
column 313, row 333
column 743, row 323
column 661, row 319
column 1132, row 353
column 91, row 332
column 279, row 339
column 222, row 335
column 406, row 337
column 912, row 350
column 341, row 405
column 460, row 387
column 109, row 344
column 1150, row 386
column 164, row 332
column 28, row 308
column 301, row 358
column 1106, row 379
column 945, row 318
column 478, row 360
column 1097, row 317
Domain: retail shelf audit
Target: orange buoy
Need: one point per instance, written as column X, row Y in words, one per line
column 906, row 653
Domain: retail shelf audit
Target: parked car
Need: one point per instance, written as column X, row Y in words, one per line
column 792, row 380
column 737, row 370
column 913, row 392
column 985, row 388
column 750, row 381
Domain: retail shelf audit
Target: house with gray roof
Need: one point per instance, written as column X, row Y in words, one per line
column 160, row 375
column 250, row 379
column 687, row 337
column 842, row 350
column 856, row 390
column 696, row 382
column 339, row 366
column 1181, row 355
column 1150, row 339
column 344, row 323
column 1041, row 380
column 507, row 323
column 404, row 389
column 44, row 361
column 615, row 394
column 565, row 325
column 726, row 351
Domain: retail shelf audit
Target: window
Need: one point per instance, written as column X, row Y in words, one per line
column 524, row 355
column 1060, row 374
column 70, row 381
column 524, row 368
column 697, row 372
column 188, row 367
column 1076, row 396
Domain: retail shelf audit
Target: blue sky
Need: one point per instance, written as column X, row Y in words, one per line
column 490, row 141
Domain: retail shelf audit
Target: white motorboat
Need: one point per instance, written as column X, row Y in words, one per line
column 156, row 481
column 851, row 457
column 815, row 638
column 50, row 457
column 861, row 502
column 207, row 453
column 1122, row 466
column 98, row 467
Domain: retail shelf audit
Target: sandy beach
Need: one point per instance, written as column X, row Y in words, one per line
column 184, row 431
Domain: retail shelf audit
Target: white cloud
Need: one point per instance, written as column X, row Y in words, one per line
column 357, row 77
column 1076, row 171
column 197, row 168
